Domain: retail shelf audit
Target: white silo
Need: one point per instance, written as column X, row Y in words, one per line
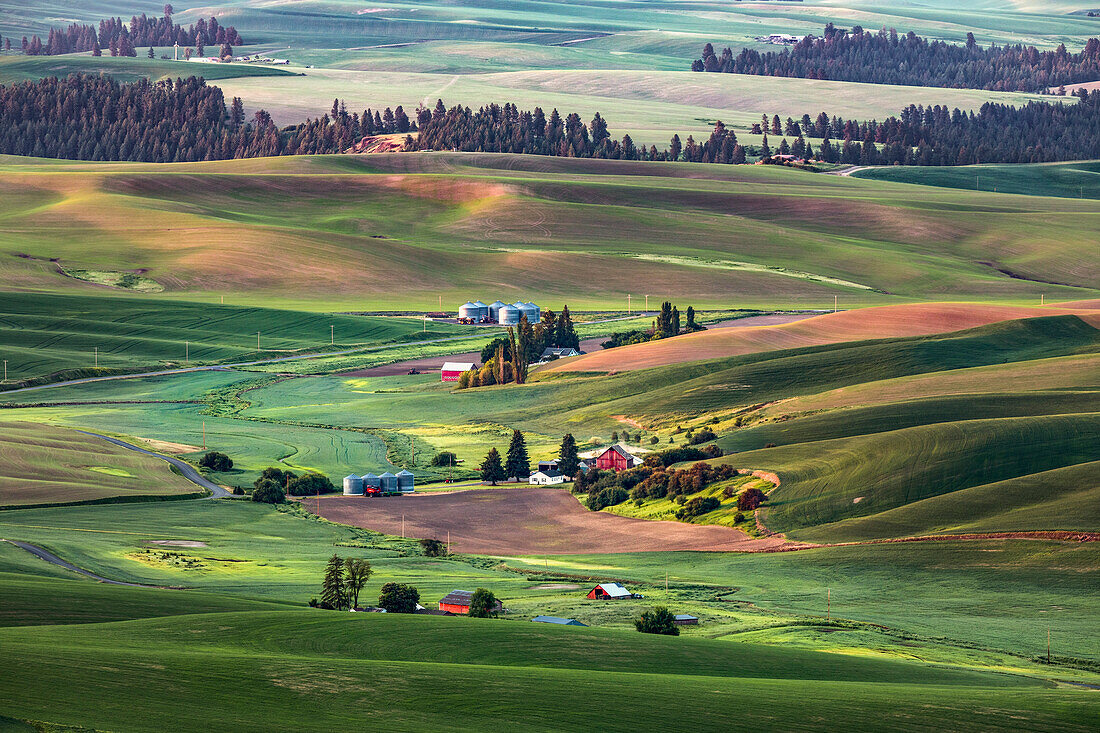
column 508, row 315
column 353, row 485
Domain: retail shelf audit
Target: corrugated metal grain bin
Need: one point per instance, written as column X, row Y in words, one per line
column 370, row 481
column 353, row 485
column 405, row 480
column 533, row 313
column 388, row 482
column 494, row 311
column 508, row 315
column 469, row 310
column 482, row 310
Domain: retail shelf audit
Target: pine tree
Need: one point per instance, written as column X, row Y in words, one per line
column 675, row 322
column 518, row 463
column 568, row 461
column 333, row 589
column 491, row 468
column 565, row 336
column 152, row 54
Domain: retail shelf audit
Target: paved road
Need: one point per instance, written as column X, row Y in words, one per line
column 188, row 471
column 55, row 560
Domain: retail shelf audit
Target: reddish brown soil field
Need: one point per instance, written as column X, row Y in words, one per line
column 529, row 521
column 867, row 323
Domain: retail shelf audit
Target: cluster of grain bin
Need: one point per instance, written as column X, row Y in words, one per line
column 388, row 484
column 499, row 312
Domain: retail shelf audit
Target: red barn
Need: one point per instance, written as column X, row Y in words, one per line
column 458, row 601
column 616, row 458
column 453, row 369
column 609, row 592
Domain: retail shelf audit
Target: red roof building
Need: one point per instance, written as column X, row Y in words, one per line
column 452, row 370
column 458, row 602
column 616, row 458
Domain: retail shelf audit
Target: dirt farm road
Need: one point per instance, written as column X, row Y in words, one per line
column 528, row 521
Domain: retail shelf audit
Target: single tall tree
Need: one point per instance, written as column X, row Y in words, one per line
column 518, row 463
column 333, row 588
column 483, row 604
column 356, row 574
column 491, row 468
column 568, row 461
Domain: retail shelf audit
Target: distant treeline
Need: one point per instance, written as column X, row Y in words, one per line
column 96, row 118
column 497, row 129
column 122, row 39
column 1035, row 133
column 887, row 58
column 87, row 117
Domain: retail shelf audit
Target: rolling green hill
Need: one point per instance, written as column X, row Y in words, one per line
column 304, row 679
column 1069, row 180
column 397, row 232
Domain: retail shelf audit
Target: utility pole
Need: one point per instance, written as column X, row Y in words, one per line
column 448, row 542
column 186, row 351
column 1048, row 645
column 441, row 303
column 257, row 341
column 223, row 300
column 332, row 335
column 97, row 357
column 204, row 435
column 647, row 304
column 402, row 526
column 1042, row 299
column 5, row 370
column 834, row 303
column 828, row 604
column 976, row 186
column 628, row 304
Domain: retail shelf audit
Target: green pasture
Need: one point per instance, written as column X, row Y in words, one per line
column 41, row 464
column 1067, row 180
column 44, row 334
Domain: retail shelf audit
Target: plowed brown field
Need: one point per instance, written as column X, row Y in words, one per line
column 919, row 319
column 528, row 521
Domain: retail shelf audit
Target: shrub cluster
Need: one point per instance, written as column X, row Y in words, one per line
column 654, row 481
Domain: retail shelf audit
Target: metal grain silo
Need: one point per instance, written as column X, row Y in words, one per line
column 370, row 481
column 508, row 315
column 353, row 485
column 388, row 482
column 533, row 313
column 405, row 481
column 494, row 311
column 469, row 310
column 482, row 309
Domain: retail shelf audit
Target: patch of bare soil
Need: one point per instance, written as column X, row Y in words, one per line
column 163, row 446
column 530, row 521
column 178, row 543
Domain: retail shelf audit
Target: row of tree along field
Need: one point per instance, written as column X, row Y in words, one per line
column 506, row 360
column 96, row 118
column 886, row 57
column 121, row 39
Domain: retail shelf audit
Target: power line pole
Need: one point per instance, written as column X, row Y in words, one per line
column 647, row 304
column 186, row 351
column 332, row 335
column 5, row 370
column 1048, row 645
column 97, row 357
column 257, row 341
column 204, row 435
column 628, row 304
column 834, row 303
column 828, row 604
column 402, row 526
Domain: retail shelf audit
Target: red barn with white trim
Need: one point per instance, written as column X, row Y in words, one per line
column 453, row 369
column 616, row 458
column 458, row 601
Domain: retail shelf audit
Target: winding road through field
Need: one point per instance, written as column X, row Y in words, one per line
column 55, row 560
column 188, row 471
